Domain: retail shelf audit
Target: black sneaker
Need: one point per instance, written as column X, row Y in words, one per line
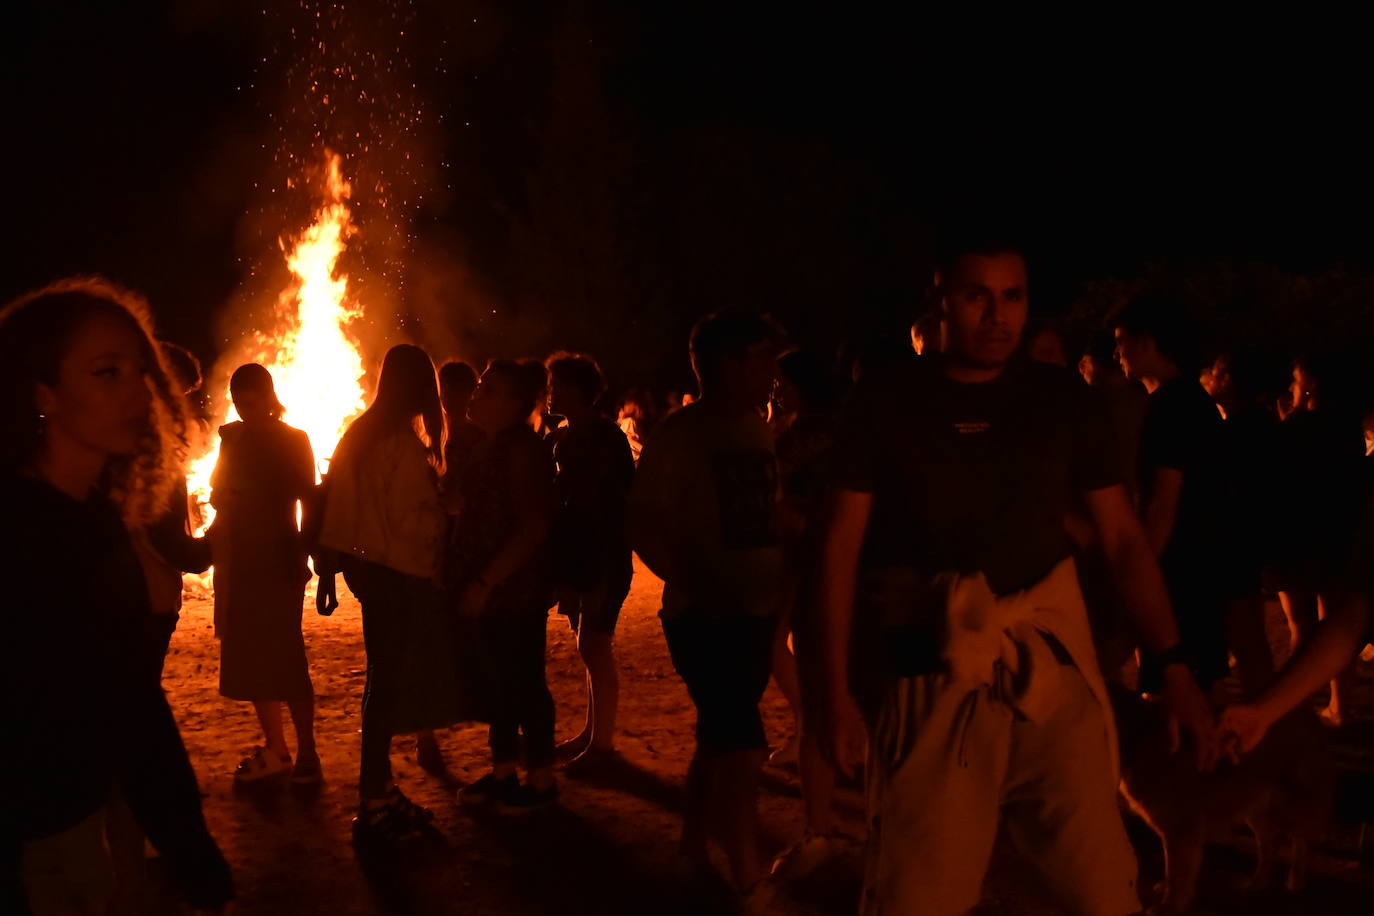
column 487, row 790
column 524, row 799
column 397, row 820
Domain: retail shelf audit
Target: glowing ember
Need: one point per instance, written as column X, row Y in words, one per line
column 315, row 364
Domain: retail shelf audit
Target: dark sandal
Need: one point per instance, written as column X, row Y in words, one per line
column 396, row 821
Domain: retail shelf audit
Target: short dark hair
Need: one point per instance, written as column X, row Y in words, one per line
column 519, row 381
column 727, row 333
column 579, row 370
column 956, row 241
column 457, row 372
column 1168, row 321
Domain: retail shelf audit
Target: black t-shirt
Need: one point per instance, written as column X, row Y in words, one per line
column 1184, row 431
column 973, row 477
column 74, row 605
column 595, row 471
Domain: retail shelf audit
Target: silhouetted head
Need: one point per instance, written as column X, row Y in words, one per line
column 407, row 391
column 254, row 394
column 804, row 383
column 735, row 356
column 575, row 383
column 1156, row 336
column 457, row 382
column 506, row 395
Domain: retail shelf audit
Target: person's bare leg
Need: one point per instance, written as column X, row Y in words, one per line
column 1301, row 610
column 603, row 688
column 302, row 712
column 1340, row 685
column 273, row 732
column 736, row 791
column 785, row 671
column 1249, row 643
column 696, row 808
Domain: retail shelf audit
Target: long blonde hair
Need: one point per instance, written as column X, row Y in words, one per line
column 35, row 330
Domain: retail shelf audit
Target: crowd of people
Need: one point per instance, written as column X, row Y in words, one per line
column 942, row 569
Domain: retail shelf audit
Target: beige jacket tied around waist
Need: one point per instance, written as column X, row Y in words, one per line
column 382, row 505
column 996, row 643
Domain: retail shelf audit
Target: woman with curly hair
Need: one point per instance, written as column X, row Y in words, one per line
column 92, row 439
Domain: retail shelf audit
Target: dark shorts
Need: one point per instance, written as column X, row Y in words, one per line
column 725, row 663
column 597, row 608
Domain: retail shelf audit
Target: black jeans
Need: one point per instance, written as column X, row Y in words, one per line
column 513, row 656
column 387, row 607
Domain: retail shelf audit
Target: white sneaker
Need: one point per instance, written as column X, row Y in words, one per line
column 263, row 763
column 808, row 854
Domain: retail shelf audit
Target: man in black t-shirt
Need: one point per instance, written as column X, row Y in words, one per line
column 1183, row 486
column 947, row 559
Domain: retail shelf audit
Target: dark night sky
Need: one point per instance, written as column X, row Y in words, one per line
column 786, row 159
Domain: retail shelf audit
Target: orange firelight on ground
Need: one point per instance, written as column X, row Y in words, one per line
column 314, row 362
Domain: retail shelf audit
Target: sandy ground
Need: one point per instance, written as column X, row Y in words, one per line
column 608, row 848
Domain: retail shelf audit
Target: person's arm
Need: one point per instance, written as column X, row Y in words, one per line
column 1160, row 511
column 841, row 735
column 1141, row 587
column 1330, row 649
column 171, row 536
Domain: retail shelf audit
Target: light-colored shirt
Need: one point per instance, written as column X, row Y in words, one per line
column 704, row 513
column 382, row 505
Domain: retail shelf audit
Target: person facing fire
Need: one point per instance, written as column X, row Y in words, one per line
column 952, row 618
column 591, row 549
column 265, row 473
column 92, row 439
column 704, row 519
column 498, row 576
column 457, row 382
column 383, row 528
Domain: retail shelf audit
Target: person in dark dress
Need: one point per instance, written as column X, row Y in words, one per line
column 497, row 575
column 591, row 549
column 265, row 472
column 92, row 437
